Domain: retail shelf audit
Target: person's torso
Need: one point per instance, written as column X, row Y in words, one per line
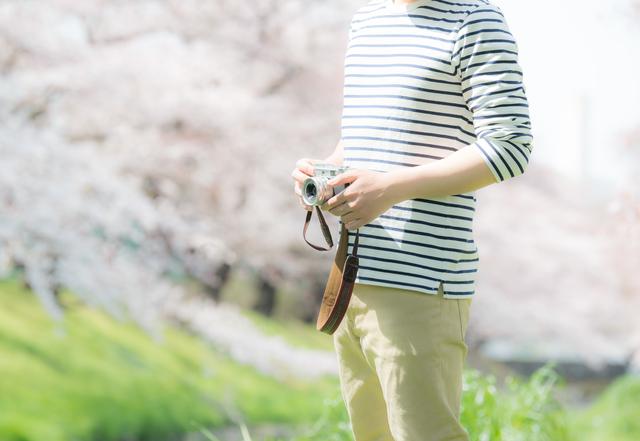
column 403, row 106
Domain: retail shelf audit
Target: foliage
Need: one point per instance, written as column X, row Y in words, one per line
column 332, row 426
column 90, row 377
column 526, row 410
column 614, row 416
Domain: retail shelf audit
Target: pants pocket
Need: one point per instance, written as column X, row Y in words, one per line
column 462, row 319
column 463, row 315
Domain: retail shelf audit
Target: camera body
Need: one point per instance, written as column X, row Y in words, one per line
column 315, row 190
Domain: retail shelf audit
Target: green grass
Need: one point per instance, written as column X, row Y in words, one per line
column 93, row 378
column 615, row 416
column 526, row 410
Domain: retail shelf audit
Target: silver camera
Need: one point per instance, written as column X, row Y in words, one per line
column 315, row 190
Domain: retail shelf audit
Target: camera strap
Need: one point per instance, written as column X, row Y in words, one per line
column 342, row 277
column 323, row 226
column 340, row 284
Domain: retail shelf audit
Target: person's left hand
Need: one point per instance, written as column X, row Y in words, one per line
column 366, row 197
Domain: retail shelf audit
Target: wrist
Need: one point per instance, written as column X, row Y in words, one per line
column 394, row 187
column 409, row 183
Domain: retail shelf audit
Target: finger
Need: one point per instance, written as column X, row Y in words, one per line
column 298, row 175
column 349, row 217
column 344, row 178
column 305, row 166
column 326, row 206
column 353, row 225
column 341, row 209
column 337, row 200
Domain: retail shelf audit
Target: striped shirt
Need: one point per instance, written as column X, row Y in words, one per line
column 422, row 80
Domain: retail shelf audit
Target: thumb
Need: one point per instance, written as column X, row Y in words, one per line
column 343, row 178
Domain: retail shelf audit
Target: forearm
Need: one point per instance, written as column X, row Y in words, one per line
column 460, row 172
column 336, row 157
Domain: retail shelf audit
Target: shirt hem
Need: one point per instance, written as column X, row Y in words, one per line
column 415, row 289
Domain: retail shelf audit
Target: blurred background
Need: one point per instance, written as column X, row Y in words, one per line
column 154, row 284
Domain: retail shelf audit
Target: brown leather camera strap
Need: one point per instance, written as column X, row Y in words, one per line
column 342, row 276
column 337, row 292
column 323, row 226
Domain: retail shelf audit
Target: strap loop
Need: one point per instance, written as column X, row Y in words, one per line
column 326, row 232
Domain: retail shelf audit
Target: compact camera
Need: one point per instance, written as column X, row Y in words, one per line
column 315, row 190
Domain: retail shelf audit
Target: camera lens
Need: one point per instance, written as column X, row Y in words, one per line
column 310, row 191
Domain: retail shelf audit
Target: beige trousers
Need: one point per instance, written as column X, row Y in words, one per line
column 401, row 355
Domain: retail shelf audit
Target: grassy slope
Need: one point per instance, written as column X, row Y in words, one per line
column 615, row 416
column 91, row 377
column 241, row 291
column 294, row 332
column 104, row 380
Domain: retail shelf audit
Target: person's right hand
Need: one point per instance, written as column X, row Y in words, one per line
column 303, row 169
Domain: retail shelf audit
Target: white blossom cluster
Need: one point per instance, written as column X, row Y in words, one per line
column 134, row 149
column 70, row 219
column 557, row 270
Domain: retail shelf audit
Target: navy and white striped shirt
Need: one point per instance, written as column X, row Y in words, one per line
column 422, row 80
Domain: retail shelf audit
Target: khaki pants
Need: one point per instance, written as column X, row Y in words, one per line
column 401, row 355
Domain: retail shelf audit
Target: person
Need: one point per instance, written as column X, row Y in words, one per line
column 434, row 109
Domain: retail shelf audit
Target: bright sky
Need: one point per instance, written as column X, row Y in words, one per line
column 581, row 63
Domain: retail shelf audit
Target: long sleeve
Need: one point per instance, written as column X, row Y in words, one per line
column 485, row 57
